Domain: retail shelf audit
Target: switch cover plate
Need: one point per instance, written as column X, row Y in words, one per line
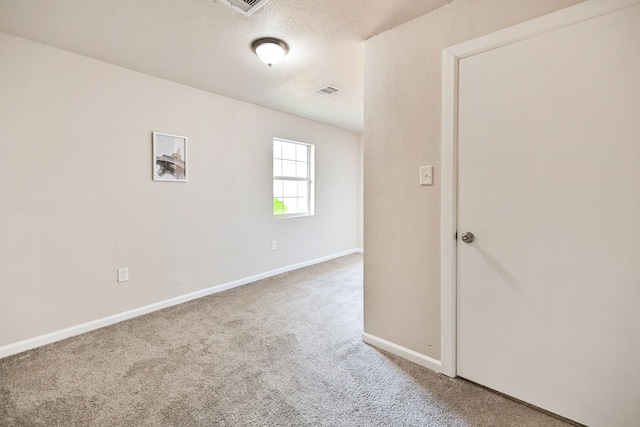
column 426, row 175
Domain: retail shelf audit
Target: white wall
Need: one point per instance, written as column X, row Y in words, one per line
column 78, row 200
column 402, row 131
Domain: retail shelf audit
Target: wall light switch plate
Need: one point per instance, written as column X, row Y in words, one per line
column 426, row 175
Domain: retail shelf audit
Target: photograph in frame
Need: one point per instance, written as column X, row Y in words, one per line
column 169, row 157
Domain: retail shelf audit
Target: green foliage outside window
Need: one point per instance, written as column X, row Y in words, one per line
column 279, row 207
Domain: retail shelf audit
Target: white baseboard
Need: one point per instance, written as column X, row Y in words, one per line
column 403, row 352
column 19, row 347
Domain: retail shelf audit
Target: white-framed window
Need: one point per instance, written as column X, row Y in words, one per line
column 292, row 178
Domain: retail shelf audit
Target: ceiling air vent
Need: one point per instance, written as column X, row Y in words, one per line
column 246, row 7
column 327, row 91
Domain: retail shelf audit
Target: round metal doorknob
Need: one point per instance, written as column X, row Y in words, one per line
column 468, row 237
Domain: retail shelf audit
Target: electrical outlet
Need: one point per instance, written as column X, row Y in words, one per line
column 274, row 245
column 123, row 274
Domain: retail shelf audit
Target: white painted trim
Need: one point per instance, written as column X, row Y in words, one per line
column 450, row 67
column 403, row 352
column 19, row 347
column 544, row 24
column 448, row 213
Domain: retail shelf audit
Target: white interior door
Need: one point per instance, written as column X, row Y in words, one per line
column 548, row 305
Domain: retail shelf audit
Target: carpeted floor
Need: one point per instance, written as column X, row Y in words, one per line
column 284, row 351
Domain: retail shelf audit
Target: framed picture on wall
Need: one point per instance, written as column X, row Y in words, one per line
column 169, row 157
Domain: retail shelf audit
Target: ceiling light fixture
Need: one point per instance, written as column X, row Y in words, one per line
column 270, row 50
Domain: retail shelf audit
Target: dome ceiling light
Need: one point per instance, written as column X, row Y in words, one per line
column 270, row 50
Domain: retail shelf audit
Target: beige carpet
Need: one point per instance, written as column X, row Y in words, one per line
column 284, row 351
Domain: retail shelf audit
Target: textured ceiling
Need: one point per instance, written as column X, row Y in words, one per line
column 207, row 45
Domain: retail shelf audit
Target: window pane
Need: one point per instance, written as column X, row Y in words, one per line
column 302, row 205
column 288, row 168
column 288, row 151
column 292, row 205
column 278, row 207
column 302, row 188
column 278, row 188
column 301, row 169
column 291, row 189
column 291, row 161
column 301, row 153
column 277, row 149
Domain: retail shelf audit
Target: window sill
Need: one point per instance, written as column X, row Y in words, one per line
column 287, row 216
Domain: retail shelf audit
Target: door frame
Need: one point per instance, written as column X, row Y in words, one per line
column 449, row 157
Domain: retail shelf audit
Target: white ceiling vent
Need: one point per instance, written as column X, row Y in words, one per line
column 246, row 7
column 327, row 91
